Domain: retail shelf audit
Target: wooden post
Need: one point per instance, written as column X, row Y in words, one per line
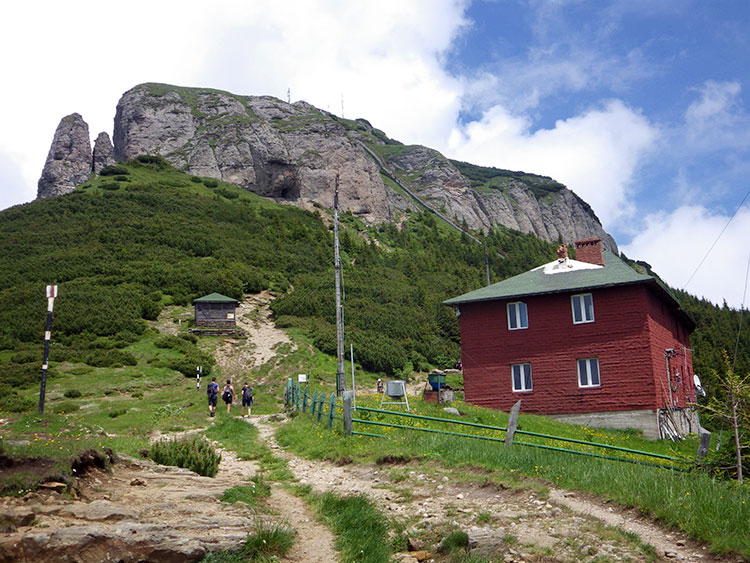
column 704, row 443
column 348, row 413
column 331, row 410
column 321, row 406
column 304, row 400
column 340, row 375
column 51, row 294
column 512, row 423
column 298, row 397
column 314, row 403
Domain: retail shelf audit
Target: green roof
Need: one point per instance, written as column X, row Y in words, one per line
column 536, row 282
column 215, row 298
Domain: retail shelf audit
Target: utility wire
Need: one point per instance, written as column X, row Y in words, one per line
column 742, row 309
column 717, row 240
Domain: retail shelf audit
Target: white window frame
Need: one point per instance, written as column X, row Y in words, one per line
column 513, row 310
column 524, row 373
column 587, row 373
column 578, row 305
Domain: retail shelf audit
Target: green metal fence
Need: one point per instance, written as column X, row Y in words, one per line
column 298, row 397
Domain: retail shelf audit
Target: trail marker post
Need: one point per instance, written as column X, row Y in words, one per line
column 51, row 294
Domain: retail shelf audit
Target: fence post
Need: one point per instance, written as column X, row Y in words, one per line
column 314, row 403
column 304, row 400
column 288, row 392
column 512, row 422
column 298, row 397
column 331, row 410
column 704, row 443
column 321, row 406
column 348, row 413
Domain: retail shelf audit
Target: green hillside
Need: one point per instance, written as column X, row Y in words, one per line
column 144, row 235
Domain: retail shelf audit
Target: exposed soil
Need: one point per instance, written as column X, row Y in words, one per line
column 253, row 316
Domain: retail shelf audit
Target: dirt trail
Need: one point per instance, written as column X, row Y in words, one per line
column 253, row 315
column 562, row 527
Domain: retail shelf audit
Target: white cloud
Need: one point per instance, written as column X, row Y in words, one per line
column 675, row 243
column 383, row 57
column 595, row 154
column 716, row 120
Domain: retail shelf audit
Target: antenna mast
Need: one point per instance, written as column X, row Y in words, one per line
column 340, row 375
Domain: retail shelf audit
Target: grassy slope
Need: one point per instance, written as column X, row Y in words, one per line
column 694, row 502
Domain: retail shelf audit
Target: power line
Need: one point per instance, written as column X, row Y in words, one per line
column 717, row 240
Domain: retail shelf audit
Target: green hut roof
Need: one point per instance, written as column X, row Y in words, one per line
column 539, row 282
column 215, row 298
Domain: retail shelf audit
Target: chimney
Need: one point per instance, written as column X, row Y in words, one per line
column 590, row 250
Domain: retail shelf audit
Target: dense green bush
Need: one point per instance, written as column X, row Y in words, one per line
column 210, row 182
column 229, row 194
column 111, row 186
column 72, row 393
column 11, row 401
column 114, row 170
column 111, row 359
column 192, row 453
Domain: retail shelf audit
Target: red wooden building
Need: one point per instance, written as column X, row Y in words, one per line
column 588, row 341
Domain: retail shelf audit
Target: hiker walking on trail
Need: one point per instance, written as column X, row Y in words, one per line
column 228, row 394
column 212, row 389
column 247, row 398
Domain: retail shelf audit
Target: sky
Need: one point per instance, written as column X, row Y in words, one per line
column 641, row 107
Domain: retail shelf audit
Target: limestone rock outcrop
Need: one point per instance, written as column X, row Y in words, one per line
column 289, row 152
column 295, row 154
column 104, row 153
column 69, row 160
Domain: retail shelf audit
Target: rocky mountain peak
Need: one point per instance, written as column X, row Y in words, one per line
column 104, row 153
column 69, row 159
column 294, row 154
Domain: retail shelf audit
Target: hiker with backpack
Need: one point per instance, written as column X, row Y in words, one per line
column 247, row 398
column 212, row 390
column 228, row 394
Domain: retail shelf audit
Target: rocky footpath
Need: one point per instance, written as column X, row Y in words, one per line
column 295, row 153
column 140, row 511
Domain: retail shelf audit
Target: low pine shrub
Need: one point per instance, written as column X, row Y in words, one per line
column 111, row 359
column 72, row 393
column 66, row 407
column 210, row 182
column 223, row 192
column 114, row 170
column 196, row 179
column 110, row 186
column 151, row 159
column 13, row 402
column 193, row 453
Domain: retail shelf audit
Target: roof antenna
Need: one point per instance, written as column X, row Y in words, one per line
column 289, row 95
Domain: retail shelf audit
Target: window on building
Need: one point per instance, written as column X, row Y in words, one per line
column 521, row 377
column 588, row 373
column 583, row 308
column 517, row 317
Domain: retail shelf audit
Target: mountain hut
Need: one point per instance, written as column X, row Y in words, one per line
column 215, row 310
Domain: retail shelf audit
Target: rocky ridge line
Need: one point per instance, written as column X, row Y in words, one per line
column 293, row 153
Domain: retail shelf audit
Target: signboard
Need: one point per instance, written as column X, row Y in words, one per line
column 51, row 291
column 302, row 378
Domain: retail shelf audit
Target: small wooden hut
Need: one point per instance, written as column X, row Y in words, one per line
column 215, row 310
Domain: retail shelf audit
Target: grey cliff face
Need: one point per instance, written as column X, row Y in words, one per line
column 295, row 153
column 288, row 152
column 104, row 153
column 69, row 159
